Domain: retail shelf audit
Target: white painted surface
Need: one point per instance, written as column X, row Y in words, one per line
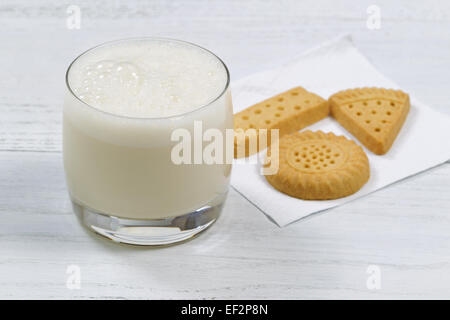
column 404, row 228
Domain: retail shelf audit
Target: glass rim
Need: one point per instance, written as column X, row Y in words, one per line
column 197, row 108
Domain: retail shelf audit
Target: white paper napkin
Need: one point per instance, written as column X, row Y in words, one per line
column 423, row 142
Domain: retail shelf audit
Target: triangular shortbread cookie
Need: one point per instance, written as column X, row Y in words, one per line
column 373, row 115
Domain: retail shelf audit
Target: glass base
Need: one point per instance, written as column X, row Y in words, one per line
column 150, row 232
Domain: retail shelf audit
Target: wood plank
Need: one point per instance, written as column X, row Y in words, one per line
column 402, row 229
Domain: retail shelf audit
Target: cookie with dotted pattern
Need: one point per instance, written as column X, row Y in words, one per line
column 373, row 115
column 318, row 166
column 288, row 112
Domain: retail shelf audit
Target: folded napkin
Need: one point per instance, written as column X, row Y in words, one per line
column 423, row 142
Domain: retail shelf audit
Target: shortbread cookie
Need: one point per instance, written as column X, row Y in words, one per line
column 289, row 111
column 319, row 166
column 373, row 115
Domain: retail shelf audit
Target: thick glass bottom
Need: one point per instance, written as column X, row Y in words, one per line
column 150, row 232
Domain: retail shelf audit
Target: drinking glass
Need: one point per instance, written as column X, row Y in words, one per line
column 121, row 178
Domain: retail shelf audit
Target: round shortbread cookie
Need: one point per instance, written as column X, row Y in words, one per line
column 319, row 166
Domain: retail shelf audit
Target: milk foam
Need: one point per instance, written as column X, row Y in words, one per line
column 147, row 78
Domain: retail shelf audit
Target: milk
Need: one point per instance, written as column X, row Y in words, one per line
column 124, row 100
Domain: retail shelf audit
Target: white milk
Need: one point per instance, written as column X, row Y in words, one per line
column 127, row 97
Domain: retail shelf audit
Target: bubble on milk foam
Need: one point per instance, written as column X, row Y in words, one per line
column 150, row 80
column 107, row 80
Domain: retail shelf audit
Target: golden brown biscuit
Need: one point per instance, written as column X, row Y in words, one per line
column 373, row 115
column 319, row 166
column 289, row 111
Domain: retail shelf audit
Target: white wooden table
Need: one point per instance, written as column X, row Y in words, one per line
column 403, row 230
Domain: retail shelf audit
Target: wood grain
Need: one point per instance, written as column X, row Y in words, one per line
column 403, row 228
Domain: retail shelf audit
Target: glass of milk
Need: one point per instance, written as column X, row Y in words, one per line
column 124, row 101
